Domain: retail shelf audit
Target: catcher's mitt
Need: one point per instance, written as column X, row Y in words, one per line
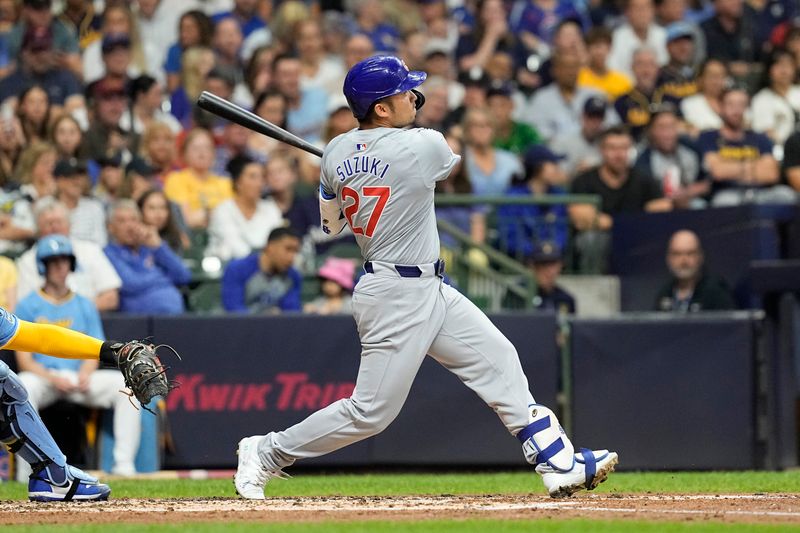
column 144, row 374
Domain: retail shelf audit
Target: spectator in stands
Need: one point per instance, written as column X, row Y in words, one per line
column 48, row 379
column 691, row 288
column 522, row 227
column 581, row 149
column 242, row 224
column 157, row 19
column 35, row 171
column 673, row 164
column 621, row 189
column 791, row 161
column 11, row 144
column 301, row 211
column 94, row 277
column 37, row 66
column 596, row 74
column 515, row 137
column 139, row 178
column 634, row 108
column 265, row 282
column 38, row 19
column 317, row 68
column 701, row 111
column 357, row 48
column 490, row 33
column 336, row 277
column 245, row 13
column 371, row 21
column 341, row 119
column 67, row 137
column 227, row 45
column 677, row 79
column 147, row 98
column 151, row 273
column 159, row 149
column 732, row 37
column 669, row 12
column 114, row 55
column 82, row 19
column 158, row 212
column 8, row 284
column 307, row 107
column 476, row 86
column 547, row 263
column 776, row 107
column 109, row 99
column 490, row 170
column 110, row 179
column 538, row 20
column 270, row 105
column 556, row 108
column 33, row 111
column 197, row 64
column 639, row 30
column 434, row 113
column 194, row 188
column 283, row 22
column 87, row 216
column 194, row 29
column 739, row 161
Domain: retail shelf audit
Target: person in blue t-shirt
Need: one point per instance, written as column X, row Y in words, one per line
column 49, row 379
column 151, row 272
column 265, row 282
column 739, row 161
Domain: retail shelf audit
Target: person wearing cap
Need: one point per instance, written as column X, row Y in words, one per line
column 110, row 177
column 621, row 188
column 86, row 215
column 676, row 79
column 520, row 227
column 516, row 137
column 581, row 149
column 37, row 15
column 638, row 29
column 595, row 74
column 140, row 177
column 109, row 99
column 546, row 264
column 241, row 224
column 672, row 161
column 336, row 276
column 556, row 108
column 114, row 59
column 37, row 66
column 634, row 108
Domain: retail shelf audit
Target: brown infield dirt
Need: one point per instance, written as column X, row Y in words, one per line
column 761, row 508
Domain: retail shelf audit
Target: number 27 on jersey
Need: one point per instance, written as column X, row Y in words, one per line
column 351, row 202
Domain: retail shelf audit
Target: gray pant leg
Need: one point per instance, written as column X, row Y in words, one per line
column 397, row 320
column 470, row 346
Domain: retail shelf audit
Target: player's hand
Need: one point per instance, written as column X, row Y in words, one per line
column 83, row 379
column 149, row 236
column 62, row 384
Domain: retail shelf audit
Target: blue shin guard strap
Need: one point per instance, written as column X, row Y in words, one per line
column 590, row 465
column 532, row 429
column 550, row 451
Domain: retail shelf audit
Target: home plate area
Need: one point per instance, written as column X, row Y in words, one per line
column 770, row 508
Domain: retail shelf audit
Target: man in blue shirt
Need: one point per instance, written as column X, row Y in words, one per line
column 244, row 12
column 49, row 379
column 265, row 282
column 149, row 269
column 307, row 111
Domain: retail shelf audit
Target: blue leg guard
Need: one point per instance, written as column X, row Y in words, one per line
column 24, row 433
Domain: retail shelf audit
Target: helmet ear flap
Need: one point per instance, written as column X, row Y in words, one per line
column 420, row 98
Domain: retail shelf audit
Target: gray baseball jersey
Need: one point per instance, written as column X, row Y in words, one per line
column 383, row 179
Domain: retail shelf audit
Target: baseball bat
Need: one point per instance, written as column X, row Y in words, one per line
column 238, row 115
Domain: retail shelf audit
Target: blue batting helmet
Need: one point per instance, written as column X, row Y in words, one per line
column 378, row 77
column 53, row 246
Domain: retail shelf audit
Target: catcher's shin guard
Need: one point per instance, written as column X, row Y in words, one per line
column 544, row 440
column 24, row 433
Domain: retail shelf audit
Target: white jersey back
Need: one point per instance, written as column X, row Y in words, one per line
column 383, row 180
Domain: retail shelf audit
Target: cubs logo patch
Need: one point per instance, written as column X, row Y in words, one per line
column 360, row 147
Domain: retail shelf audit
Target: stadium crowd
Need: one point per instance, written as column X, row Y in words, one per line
column 652, row 105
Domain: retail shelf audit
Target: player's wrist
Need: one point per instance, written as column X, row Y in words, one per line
column 109, row 354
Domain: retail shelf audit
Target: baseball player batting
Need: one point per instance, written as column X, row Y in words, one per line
column 379, row 179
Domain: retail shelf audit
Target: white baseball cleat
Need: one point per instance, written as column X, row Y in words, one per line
column 590, row 469
column 251, row 476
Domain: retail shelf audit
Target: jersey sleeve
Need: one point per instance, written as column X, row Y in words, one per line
column 434, row 156
column 9, row 324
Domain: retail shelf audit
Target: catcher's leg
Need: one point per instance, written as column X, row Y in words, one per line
column 24, row 433
column 469, row 345
column 105, row 388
